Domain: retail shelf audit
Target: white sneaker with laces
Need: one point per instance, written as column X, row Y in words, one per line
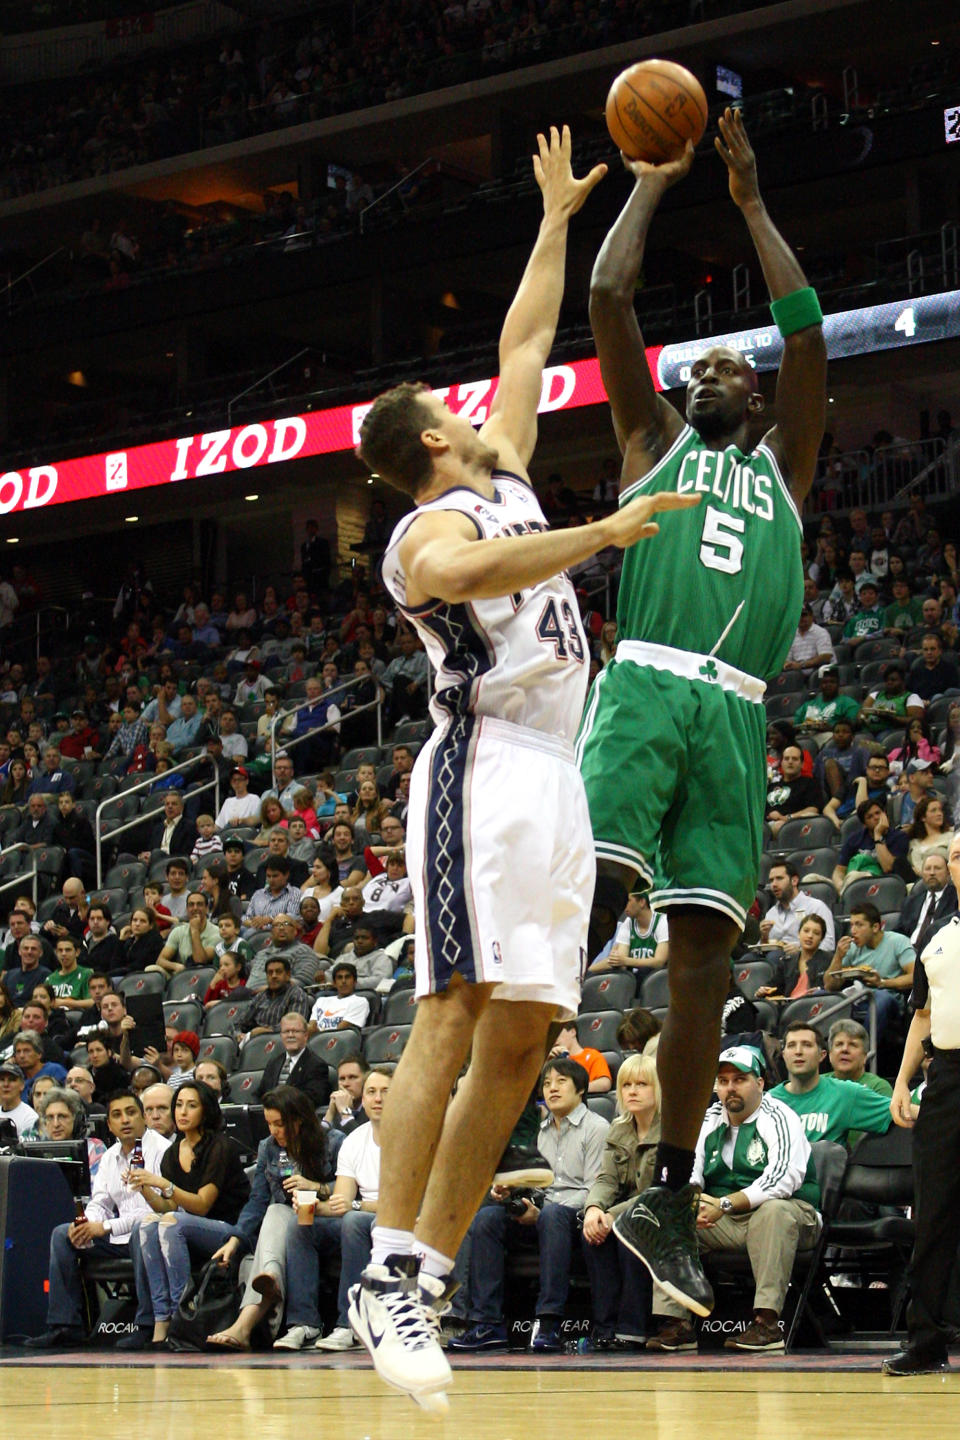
column 398, row 1322
column 296, row 1337
column 342, row 1338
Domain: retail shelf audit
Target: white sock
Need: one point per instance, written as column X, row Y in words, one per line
column 432, row 1262
column 389, row 1242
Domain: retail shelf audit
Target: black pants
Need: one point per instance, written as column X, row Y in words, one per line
column 936, row 1172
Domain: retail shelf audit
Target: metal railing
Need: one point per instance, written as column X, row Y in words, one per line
column 138, row 819
column 341, row 689
column 859, row 479
column 33, row 627
column 262, row 379
column 392, row 191
column 15, row 880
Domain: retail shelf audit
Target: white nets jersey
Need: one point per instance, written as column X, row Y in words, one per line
column 521, row 658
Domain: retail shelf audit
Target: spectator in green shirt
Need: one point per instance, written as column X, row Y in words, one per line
column 892, row 706
column 868, row 620
column 828, row 1108
column 816, row 715
column 847, row 1050
column 905, row 613
column 70, row 983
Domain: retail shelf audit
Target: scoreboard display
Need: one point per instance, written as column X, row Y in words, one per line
column 847, row 333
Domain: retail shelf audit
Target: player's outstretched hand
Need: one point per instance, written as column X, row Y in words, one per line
column 563, row 193
column 736, row 152
column 667, row 173
column 633, row 522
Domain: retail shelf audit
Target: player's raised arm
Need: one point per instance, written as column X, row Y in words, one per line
column 531, row 321
column 801, row 383
column 642, row 419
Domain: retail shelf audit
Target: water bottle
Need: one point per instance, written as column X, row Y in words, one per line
column 286, row 1165
column 80, row 1218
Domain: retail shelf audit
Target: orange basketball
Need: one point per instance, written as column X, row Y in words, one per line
column 654, row 108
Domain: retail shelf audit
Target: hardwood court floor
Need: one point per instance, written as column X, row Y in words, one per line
column 89, row 1395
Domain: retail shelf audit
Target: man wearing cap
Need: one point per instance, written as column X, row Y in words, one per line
column 918, row 777
column 239, row 808
column 891, row 706
column 931, row 674
column 811, row 645
column 936, row 1145
column 817, row 714
column 867, row 621
column 253, row 685
column 240, row 881
column 12, row 1104
column 759, row 1194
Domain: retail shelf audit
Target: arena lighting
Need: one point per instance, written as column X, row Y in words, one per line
column 565, row 387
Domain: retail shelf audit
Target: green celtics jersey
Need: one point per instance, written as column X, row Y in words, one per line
column 730, row 568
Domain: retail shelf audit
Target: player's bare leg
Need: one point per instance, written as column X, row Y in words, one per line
column 660, row 1227
column 439, row 1043
column 394, row 1310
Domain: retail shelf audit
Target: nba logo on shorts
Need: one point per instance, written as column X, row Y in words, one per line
column 497, row 953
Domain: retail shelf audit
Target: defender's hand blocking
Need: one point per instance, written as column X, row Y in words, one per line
column 736, row 152
column 633, row 522
column 563, row 193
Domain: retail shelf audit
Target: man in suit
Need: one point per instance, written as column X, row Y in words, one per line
column 930, row 904
column 296, row 1065
column 172, row 833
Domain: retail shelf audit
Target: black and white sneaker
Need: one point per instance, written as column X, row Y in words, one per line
column 522, row 1166
column 396, row 1313
column 660, row 1228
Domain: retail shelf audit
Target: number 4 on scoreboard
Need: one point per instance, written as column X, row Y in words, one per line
column 906, row 322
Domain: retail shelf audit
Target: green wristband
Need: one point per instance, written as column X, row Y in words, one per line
column 796, row 311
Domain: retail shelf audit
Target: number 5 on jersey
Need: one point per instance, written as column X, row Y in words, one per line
column 720, row 545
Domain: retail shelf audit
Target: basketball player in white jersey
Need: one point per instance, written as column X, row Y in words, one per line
column 499, row 846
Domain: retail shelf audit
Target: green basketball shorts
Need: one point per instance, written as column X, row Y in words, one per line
column 672, row 748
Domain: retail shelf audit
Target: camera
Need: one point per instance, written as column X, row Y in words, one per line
column 515, row 1205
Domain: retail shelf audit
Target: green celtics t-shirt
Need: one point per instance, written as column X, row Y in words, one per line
column 825, row 712
column 903, row 617
column 73, row 986
column 724, row 579
column 835, row 1107
column 864, row 622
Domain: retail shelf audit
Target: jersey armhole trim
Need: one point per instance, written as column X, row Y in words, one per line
column 764, row 449
column 644, row 480
column 429, row 606
column 512, row 475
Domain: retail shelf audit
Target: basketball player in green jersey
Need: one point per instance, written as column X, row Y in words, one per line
column 672, row 742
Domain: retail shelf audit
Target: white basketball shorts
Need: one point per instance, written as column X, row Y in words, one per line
column 501, row 858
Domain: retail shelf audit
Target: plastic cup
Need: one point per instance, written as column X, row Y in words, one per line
column 306, row 1203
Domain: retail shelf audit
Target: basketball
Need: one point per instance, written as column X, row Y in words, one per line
column 654, row 108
